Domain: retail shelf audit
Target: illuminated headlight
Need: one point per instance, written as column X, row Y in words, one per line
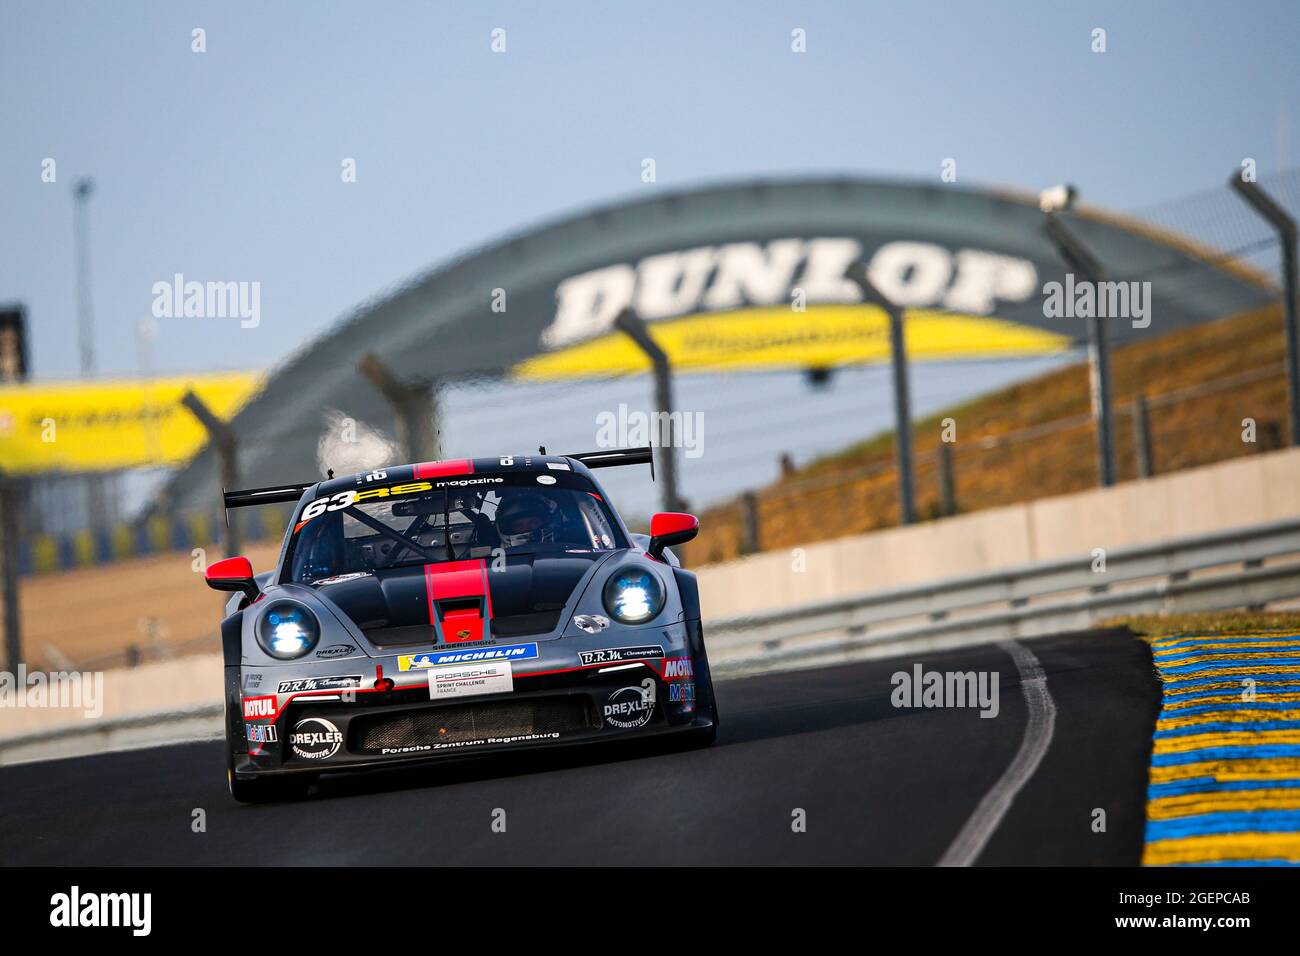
column 591, row 623
column 634, row 596
column 287, row 630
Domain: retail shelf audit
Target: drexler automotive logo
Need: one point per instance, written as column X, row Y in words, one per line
column 315, row 738
column 631, row 707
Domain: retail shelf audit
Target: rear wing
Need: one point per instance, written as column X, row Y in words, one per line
column 274, row 495
column 289, row 493
column 618, row 456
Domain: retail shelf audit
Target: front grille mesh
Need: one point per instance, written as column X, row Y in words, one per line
column 472, row 721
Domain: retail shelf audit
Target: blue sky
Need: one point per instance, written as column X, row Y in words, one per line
column 226, row 164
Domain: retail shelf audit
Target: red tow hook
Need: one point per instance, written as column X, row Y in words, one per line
column 382, row 683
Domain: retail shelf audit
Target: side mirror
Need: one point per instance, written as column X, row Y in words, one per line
column 671, row 527
column 232, row 574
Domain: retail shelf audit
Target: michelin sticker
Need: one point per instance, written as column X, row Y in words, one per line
column 419, row 662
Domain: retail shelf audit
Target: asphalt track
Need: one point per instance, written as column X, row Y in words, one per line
column 878, row 785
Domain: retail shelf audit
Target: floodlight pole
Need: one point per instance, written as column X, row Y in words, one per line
column 1081, row 261
column 902, row 392
column 82, row 190
column 634, row 328
column 226, row 446
column 1286, row 230
column 413, row 408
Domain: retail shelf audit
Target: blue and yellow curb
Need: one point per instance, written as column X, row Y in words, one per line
column 1224, row 784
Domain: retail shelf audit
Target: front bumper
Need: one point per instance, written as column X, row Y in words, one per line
column 551, row 704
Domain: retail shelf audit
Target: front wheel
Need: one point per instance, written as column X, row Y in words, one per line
column 267, row 790
column 698, row 739
column 706, row 699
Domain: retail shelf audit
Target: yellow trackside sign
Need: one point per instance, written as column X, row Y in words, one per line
column 777, row 337
column 104, row 426
column 789, row 303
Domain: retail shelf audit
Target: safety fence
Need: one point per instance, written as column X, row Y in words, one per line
column 1157, row 433
column 988, row 465
column 42, row 553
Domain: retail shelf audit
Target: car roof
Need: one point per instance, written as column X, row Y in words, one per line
column 454, row 467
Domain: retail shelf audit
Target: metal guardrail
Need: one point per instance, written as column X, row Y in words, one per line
column 1022, row 601
column 1030, row 600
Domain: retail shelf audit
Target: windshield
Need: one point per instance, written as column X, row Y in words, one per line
column 425, row 522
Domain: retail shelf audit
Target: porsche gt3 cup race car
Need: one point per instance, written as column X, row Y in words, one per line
column 454, row 608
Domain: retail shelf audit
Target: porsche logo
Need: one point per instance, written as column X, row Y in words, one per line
column 462, row 635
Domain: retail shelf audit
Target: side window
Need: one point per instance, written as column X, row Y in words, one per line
column 602, row 535
column 318, row 551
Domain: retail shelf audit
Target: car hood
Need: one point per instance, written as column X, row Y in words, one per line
column 460, row 601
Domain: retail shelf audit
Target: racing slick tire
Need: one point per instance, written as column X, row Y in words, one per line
column 255, row 790
column 694, row 739
column 698, row 739
column 263, row 789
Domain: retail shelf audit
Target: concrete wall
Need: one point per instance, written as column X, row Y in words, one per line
column 173, row 685
column 1243, row 491
column 89, row 613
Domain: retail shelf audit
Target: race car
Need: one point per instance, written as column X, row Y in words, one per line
column 453, row 608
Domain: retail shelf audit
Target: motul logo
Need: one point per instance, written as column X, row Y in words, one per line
column 678, row 667
column 731, row 276
column 259, row 708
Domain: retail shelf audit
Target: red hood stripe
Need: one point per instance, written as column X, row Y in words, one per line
column 441, row 469
column 459, row 580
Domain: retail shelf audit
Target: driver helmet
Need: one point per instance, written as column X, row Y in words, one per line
column 528, row 517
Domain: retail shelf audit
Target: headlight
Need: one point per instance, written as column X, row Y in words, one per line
column 287, row 630
column 634, row 596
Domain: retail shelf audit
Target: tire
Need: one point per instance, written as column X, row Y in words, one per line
column 267, row 790
column 264, row 789
column 698, row 739
column 708, row 700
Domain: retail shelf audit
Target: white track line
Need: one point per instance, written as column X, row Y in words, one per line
column 970, row 842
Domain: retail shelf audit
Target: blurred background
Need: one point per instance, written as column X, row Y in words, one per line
column 354, row 236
